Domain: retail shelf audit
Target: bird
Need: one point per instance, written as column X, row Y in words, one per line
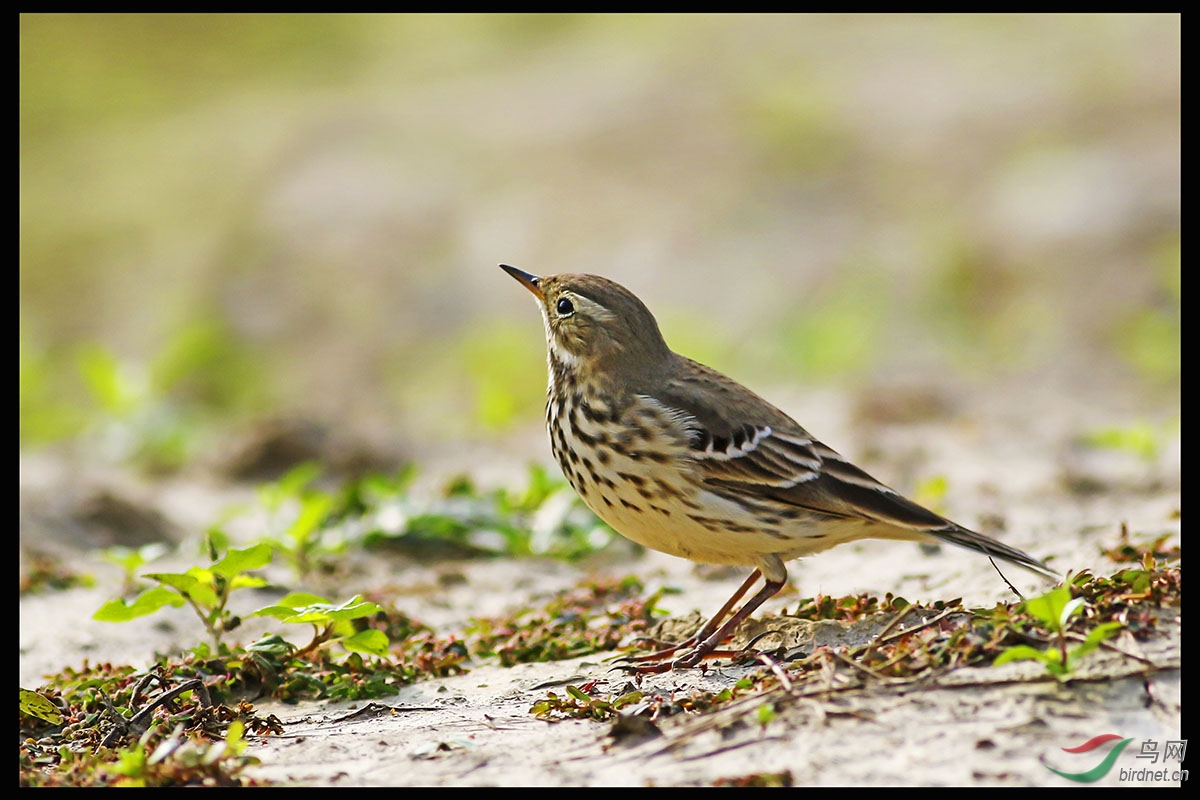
column 681, row 459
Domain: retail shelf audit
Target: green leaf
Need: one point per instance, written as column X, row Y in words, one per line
column 234, row 737
column 247, row 582
column 282, row 613
column 354, row 608
column 301, row 599
column 1068, row 611
column 1138, row 579
column 1049, row 607
column 320, row 612
column 313, row 511
column 290, row 485
column 196, row 584
column 298, row 477
column 238, row 561
column 372, row 642
column 111, row 383
column 1020, row 652
column 130, row 559
column 1097, row 635
column 36, row 705
column 273, row 644
column 315, row 616
column 182, row 581
column 215, row 540
column 145, row 603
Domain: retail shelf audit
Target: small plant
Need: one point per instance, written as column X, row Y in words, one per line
column 149, row 411
column 765, row 714
column 42, row 573
column 851, row 607
column 304, row 540
column 205, row 589
column 131, row 559
column 1128, row 551
column 331, row 623
column 181, row 760
column 593, row 618
column 545, row 519
column 1054, row 610
column 759, row 779
column 132, row 415
column 578, row 704
column 107, row 725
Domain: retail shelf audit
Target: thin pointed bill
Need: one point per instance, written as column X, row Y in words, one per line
column 530, row 282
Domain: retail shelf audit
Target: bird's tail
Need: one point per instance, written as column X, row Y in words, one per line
column 989, row 546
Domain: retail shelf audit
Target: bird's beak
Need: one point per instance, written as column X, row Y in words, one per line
column 530, row 282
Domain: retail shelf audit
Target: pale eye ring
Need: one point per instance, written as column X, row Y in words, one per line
column 564, row 307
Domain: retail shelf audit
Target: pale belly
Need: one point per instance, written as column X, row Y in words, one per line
column 677, row 534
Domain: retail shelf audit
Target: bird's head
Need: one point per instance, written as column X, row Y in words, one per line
column 594, row 324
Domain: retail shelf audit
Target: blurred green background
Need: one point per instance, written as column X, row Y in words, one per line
column 225, row 218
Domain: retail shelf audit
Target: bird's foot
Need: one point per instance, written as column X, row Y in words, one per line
column 656, row 663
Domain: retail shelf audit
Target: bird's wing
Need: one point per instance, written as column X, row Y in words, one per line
column 772, row 460
column 797, row 470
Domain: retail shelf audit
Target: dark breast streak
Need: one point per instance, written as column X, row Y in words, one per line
column 563, row 398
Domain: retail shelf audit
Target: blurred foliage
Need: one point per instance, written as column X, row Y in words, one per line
column 546, row 519
column 132, row 559
column 931, row 492
column 508, row 375
column 313, row 528
column 1141, row 438
column 226, row 213
column 76, row 68
column 150, row 413
column 839, row 334
column 794, row 127
column 1150, row 338
column 973, row 299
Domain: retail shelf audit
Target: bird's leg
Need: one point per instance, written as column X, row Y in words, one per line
column 709, row 627
column 707, row 646
column 704, row 644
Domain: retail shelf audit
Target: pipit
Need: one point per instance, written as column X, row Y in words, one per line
column 683, row 460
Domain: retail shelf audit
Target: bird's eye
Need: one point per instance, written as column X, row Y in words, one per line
column 565, row 307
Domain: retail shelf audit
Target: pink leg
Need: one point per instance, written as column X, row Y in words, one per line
column 706, row 647
column 705, row 642
column 706, row 631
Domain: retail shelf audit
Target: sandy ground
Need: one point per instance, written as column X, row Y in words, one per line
column 995, row 726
